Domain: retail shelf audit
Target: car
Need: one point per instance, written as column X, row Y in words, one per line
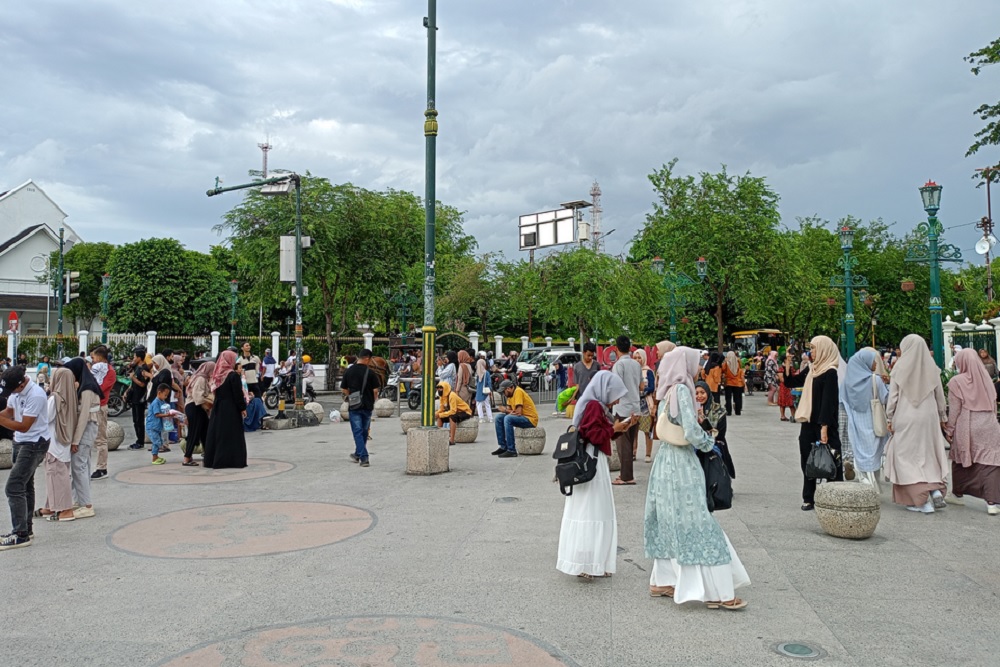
column 530, row 371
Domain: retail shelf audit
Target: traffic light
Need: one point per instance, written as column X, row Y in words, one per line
column 72, row 285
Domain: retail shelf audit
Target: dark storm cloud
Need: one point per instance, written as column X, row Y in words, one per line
column 125, row 112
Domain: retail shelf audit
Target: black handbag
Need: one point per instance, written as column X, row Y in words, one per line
column 718, row 483
column 573, row 464
column 820, row 463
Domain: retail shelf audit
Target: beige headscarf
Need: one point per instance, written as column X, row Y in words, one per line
column 662, row 348
column 880, row 368
column 825, row 356
column 64, row 390
column 915, row 372
column 733, row 363
column 643, row 361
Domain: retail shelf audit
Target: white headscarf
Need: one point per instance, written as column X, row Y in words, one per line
column 915, row 372
column 605, row 387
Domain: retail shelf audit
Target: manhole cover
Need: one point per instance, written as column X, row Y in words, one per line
column 506, row 499
column 798, row 650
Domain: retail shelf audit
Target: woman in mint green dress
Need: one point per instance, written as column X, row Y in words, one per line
column 693, row 559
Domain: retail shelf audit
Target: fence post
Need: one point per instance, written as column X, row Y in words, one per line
column 474, row 340
column 499, row 343
column 948, row 327
column 548, row 341
column 215, row 344
column 275, row 342
column 83, row 337
column 151, row 343
column 369, row 339
column 572, row 342
column 524, row 343
column 10, row 345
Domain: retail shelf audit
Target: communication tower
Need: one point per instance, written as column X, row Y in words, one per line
column 595, row 215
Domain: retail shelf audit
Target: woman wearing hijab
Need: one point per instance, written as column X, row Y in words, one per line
column 990, row 363
column 973, row 432
column 449, row 371
column 771, row 376
column 786, row 400
column 692, row 557
column 483, row 390
column 62, row 424
column 734, row 381
column 916, row 461
column 452, row 409
column 197, row 409
column 712, row 374
column 818, row 411
column 463, row 377
column 588, row 538
column 270, row 366
column 712, row 419
column 648, row 387
column 163, row 373
column 225, row 444
column 860, row 385
column 88, row 400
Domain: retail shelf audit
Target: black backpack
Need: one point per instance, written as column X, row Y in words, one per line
column 718, row 484
column 573, row 464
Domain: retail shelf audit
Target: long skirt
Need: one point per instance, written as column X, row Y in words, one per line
column 58, row 490
column 701, row 583
column 978, row 480
column 588, row 539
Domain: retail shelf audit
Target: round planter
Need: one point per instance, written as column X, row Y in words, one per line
column 384, row 407
column 6, row 454
column 848, row 510
column 409, row 420
column 116, row 436
column 467, row 431
column 316, row 409
column 529, row 441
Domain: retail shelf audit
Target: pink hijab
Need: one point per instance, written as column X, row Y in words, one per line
column 972, row 386
column 223, row 367
column 679, row 366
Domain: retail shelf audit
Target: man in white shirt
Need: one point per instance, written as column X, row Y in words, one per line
column 27, row 415
column 250, row 364
column 627, row 409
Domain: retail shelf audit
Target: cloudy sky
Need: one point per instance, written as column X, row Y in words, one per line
column 126, row 111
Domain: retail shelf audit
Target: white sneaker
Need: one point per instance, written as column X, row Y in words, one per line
column 926, row 508
column 992, row 509
column 482, row 420
column 952, row 499
column 938, row 499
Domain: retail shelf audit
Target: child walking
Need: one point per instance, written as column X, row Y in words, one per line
column 156, row 416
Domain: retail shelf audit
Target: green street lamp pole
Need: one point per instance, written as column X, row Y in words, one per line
column 674, row 281
column 105, row 288
column 933, row 253
column 234, row 288
column 430, row 197
column 848, row 282
column 282, row 184
column 403, row 299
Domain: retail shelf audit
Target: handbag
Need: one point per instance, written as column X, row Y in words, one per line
column 718, row 483
column 573, row 464
column 880, row 423
column 820, row 463
column 666, row 430
column 354, row 398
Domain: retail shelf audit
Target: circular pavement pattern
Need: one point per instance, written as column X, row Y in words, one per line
column 377, row 641
column 175, row 473
column 240, row 530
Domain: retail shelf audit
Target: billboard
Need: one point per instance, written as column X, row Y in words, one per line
column 549, row 228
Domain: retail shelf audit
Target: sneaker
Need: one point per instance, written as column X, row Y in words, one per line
column 136, row 445
column 507, row 454
column 159, row 460
column 83, row 512
column 482, row 420
column 364, row 463
column 99, row 474
column 498, row 451
column 938, row 499
column 13, row 541
column 355, row 458
column 926, row 508
column 992, row 509
column 952, row 499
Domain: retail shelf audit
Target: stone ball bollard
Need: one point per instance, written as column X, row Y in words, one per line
column 529, row 441
column 614, row 463
column 409, row 420
column 847, row 509
column 384, row 407
column 467, row 431
column 316, row 409
column 345, row 412
column 116, row 436
column 6, row 454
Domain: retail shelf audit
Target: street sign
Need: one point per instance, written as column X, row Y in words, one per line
column 12, row 322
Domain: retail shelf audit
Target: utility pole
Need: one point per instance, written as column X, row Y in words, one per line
column 986, row 224
column 430, row 198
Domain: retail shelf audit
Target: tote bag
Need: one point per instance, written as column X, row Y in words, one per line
column 879, row 421
column 666, row 430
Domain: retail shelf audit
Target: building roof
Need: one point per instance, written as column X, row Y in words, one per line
column 28, row 182
column 23, row 234
column 22, row 302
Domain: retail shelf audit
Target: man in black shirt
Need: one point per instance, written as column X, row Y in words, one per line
column 138, row 373
column 361, row 380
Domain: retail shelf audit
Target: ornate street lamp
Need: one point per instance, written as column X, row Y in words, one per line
column 403, row 299
column 933, row 253
column 848, row 283
column 105, row 286
column 674, row 281
column 234, row 287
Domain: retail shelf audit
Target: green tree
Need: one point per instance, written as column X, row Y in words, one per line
column 988, row 113
column 579, row 290
column 472, row 292
column 730, row 220
column 91, row 260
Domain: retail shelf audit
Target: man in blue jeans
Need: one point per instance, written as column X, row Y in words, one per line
column 361, row 379
column 518, row 413
column 27, row 415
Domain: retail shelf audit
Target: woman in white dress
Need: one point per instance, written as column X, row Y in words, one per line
column 693, row 559
column 861, row 384
column 588, row 539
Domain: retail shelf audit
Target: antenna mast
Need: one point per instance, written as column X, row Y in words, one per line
column 595, row 215
column 264, row 148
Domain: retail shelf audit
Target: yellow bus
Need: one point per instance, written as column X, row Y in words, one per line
column 755, row 341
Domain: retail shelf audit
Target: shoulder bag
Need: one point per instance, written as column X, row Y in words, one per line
column 666, row 430
column 880, row 422
column 573, row 464
column 354, row 398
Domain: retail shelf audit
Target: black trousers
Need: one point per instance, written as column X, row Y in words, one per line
column 807, row 436
column 197, row 427
column 734, row 395
column 139, row 421
column 254, row 389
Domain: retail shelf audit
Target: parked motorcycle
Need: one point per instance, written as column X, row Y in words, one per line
column 284, row 387
column 116, row 401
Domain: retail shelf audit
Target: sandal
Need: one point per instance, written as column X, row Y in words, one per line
column 620, row 482
column 191, row 464
column 55, row 517
column 731, row 605
column 661, row 591
column 589, row 578
column 42, row 513
column 164, row 449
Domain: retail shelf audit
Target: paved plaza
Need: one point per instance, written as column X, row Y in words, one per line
column 304, row 559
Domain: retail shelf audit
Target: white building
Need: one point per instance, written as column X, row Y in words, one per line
column 29, row 234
